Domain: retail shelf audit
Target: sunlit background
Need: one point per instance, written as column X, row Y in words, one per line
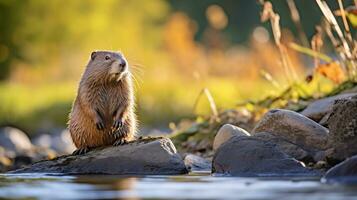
column 176, row 48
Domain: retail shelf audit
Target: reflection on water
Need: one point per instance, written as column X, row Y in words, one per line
column 39, row 186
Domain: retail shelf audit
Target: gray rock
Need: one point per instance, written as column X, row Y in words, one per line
column 60, row 141
column 13, row 139
column 196, row 163
column 43, row 141
column 345, row 172
column 295, row 128
column 226, row 132
column 320, row 156
column 305, row 154
column 319, row 108
column 343, row 129
column 251, row 156
column 5, row 162
column 143, row 157
column 287, row 147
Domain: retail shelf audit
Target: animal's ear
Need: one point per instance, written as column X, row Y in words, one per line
column 93, row 55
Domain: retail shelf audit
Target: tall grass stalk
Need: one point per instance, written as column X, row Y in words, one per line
column 347, row 55
column 295, row 16
column 274, row 18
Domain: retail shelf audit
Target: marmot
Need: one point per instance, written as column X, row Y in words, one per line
column 103, row 111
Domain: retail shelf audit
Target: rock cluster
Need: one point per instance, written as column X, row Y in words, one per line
column 16, row 150
column 283, row 140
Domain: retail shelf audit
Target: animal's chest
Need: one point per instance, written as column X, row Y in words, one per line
column 109, row 98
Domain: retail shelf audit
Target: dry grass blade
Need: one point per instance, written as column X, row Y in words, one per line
column 317, row 43
column 295, row 16
column 332, row 20
column 310, row 52
column 345, row 23
column 270, row 78
column 269, row 14
column 211, row 101
column 348, row 55
column 343, row 14
column 335, row 42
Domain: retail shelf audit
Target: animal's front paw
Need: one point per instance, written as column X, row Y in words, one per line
column 81, row 151
column 99, row 125
column 119, row 133
column 118, row 123
column 120, row 141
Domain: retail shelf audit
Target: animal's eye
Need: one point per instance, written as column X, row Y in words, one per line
column 107, row 57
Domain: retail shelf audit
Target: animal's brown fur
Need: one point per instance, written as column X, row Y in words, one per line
column 103, row 111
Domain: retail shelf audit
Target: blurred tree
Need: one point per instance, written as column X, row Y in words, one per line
column 10, row 18
column 46, row 33
column 243, row 15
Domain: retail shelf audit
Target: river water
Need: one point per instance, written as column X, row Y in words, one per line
column 194, row 186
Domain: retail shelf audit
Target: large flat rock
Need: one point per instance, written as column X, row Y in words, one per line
column 143, row 157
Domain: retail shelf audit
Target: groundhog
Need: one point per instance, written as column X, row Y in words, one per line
column 103, row 111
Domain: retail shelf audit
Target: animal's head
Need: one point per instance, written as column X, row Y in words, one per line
column 108, row 65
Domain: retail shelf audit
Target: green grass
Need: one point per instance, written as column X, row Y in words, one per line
column 34, row 107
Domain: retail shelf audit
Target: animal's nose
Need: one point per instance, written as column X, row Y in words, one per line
column 122, row 65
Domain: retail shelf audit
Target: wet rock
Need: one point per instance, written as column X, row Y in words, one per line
column 196, row 163
column 60, row 141
column 43, row 141
column 295, row 128
column 250, row 156
column 287, row 147
column 323, row 121
column 43, row 154
column 226, row 132
column 345, row 172
column 26, row 159
column 22, row 161
column 5, row 162
column 319, row 108
column 343, row 129
column 142, row 157
column 13, row 139
column 63, row 142
column 305, row 154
